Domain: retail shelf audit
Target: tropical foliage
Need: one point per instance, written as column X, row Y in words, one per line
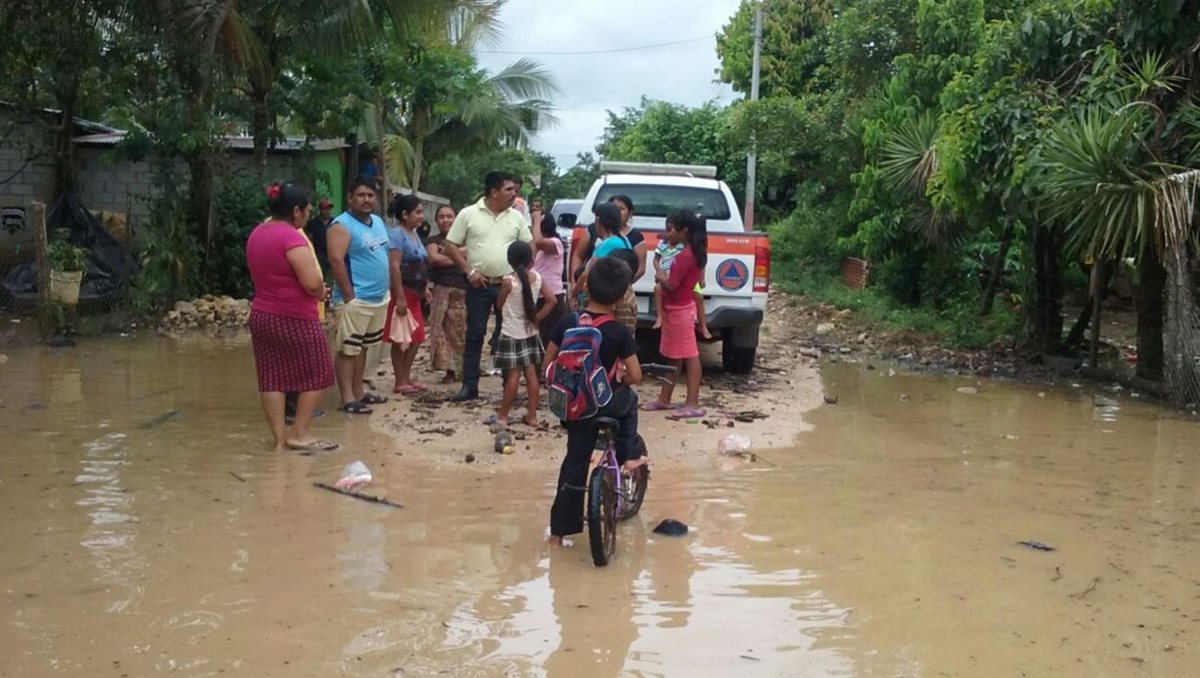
column 979, row 151
column 396, row 75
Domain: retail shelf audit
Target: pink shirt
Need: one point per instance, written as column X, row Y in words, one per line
column 277, row 290
column 550, row 267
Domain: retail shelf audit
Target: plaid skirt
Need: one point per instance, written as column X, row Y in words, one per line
column 513, row 353
column 290, row 354
column 626, row 310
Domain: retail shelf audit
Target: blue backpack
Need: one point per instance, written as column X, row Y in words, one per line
column 577, row 383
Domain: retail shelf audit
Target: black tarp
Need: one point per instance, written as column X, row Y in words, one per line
column 108, row 266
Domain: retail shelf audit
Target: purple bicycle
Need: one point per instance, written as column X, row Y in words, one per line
column 613, row 494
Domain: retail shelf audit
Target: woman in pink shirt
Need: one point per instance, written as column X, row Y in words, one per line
column 291, row 352
column 548, row 263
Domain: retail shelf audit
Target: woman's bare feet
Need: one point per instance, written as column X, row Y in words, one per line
column 555, row 540
column 531, row 419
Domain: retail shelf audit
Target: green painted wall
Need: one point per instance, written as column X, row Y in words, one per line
column 330, row 178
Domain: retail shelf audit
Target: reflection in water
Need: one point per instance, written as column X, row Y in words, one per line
column 111, row 539
column 885, row 544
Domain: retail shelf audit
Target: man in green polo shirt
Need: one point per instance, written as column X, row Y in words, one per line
column 484, row 230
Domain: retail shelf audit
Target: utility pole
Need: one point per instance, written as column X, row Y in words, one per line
column 752, row 157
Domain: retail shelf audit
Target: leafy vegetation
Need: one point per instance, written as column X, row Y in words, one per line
column 397, row 77
column 977, row 153
column 65, row 256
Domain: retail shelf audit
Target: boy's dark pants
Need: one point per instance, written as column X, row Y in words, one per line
column 566, row 515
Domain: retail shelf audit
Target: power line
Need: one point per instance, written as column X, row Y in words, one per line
column 602, row 51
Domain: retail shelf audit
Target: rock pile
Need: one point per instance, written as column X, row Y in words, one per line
column 208, row 314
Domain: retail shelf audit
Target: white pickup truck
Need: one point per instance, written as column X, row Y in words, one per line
column 738, row 273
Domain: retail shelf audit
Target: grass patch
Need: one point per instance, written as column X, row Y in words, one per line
column 956, row 325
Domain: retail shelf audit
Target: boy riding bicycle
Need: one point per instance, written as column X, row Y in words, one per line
column 606, row 285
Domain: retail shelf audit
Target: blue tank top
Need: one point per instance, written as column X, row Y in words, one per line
column 366, row 258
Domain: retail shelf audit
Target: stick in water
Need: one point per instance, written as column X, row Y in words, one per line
column 359, row 495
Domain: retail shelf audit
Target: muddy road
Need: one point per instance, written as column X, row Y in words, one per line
column 147, row 532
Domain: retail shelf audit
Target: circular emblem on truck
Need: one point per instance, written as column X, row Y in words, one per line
column 732, row 275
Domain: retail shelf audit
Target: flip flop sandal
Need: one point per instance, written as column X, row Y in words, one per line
column 372, row 399
column 419, row 386
column 657, row 406
column 314, row 446
column 406, row 389
column 355, row 407
column 687, row 413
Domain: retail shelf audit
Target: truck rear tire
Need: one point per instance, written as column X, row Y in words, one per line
column 737, row 360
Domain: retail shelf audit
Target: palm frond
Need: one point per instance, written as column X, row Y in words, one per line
column 242, row 47
column 910, row 156
column 1151, row 74
column 909, row 162
column 1095, row 182
column 399, row 156
column 524, row 79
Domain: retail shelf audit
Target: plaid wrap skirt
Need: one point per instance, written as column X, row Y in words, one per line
column 513, row 353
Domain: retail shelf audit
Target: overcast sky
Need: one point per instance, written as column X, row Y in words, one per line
column 591, row 84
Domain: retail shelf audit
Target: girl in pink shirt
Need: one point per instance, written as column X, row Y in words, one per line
column 678, row 343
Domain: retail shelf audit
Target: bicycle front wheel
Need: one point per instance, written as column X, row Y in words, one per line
column 602, row 515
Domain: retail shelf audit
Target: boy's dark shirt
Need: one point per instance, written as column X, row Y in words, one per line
column 617, row 341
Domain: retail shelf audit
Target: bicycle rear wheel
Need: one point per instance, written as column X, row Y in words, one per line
column 635, row 488
column 602, row 515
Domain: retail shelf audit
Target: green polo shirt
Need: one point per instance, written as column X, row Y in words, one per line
column 487, row 237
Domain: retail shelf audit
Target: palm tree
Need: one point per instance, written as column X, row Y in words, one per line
column 261, row 40
column 1102, row 179
column 505, row 108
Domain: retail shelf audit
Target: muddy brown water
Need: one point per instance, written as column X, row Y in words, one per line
column 883, row 544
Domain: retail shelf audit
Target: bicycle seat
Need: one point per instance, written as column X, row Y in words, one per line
column 609, row 422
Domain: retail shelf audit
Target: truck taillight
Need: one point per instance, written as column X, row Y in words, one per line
column 762, row 268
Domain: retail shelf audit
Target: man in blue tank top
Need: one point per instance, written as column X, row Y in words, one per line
column 357, row 242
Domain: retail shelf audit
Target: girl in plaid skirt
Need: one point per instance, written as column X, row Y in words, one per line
column 520, row 350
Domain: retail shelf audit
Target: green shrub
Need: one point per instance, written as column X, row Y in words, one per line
column 243, row 205
column 808, row 242
column 168, row 252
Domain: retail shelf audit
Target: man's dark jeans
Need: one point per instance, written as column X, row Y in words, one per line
column 481, row 302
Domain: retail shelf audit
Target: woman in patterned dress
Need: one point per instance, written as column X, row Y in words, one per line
column 448, row 311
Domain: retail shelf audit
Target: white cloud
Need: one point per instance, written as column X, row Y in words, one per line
column 590, row 84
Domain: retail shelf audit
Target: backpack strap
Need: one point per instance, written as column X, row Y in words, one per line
column 597, row 322
column 592, row 321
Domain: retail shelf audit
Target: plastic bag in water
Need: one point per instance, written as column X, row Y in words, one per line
column 733, row 443
column 354, row 475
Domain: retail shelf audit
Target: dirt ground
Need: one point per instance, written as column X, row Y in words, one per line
column 766, row 406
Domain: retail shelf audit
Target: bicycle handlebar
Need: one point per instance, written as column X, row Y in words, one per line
column 659, row 369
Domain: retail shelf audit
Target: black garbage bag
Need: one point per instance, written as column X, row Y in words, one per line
column 671, row 528
column 108, row 266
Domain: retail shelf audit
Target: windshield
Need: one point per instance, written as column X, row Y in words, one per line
column 651, row 200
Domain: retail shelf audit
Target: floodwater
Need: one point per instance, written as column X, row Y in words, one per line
column 146, row 532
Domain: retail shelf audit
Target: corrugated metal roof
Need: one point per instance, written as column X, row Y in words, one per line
column 235, row 143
